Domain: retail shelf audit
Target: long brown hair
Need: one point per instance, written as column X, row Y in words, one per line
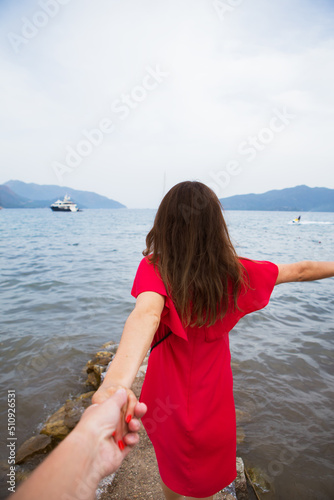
column 190, row 244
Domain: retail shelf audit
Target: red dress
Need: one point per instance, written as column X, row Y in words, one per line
column 188, row 388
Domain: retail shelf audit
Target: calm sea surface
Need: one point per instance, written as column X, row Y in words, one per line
column 66, row 281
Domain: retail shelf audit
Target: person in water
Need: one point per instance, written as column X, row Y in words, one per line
column 191, row 289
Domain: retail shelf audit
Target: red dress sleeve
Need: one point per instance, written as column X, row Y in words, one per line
column 261, row 277
column 148, row 279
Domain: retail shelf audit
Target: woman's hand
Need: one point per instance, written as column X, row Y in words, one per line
column 100, row 422
column 98, row 425
column 130, row 410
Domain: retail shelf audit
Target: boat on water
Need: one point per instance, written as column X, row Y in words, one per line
column 64, row 206
column 296, row 220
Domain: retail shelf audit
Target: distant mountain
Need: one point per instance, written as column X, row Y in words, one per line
column 9, row 199
column 297, row 199
column 18, row 194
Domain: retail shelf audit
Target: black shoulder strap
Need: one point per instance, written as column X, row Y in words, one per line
column 159, row 341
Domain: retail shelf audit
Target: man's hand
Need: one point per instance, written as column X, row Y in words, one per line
column 127, row 411
column 87, row 454
column 100, row 424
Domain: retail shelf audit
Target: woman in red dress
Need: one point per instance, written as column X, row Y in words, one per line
column 191, row 290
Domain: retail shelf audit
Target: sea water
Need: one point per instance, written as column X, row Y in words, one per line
column 66, row 282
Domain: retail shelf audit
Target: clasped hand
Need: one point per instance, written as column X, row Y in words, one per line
column 128, row 425
column 88, row 453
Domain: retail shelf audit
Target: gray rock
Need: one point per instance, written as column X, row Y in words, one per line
column 103, row 486
column 93, row 380
column 65, row 419
column 259, row 480
column 101, row 358
column 240, row 482
column 33, row 445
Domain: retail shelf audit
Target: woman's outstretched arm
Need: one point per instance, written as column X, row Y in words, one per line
column 306, row 270
column 137, row 337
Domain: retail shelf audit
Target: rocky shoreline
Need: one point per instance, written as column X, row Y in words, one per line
column 138, row 476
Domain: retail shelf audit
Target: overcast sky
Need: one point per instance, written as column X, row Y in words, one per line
column 126, row 98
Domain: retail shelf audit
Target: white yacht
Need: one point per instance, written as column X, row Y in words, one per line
column 64, row 206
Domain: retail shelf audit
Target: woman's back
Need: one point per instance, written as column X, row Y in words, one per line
column 190, row 245
column 188, row 386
